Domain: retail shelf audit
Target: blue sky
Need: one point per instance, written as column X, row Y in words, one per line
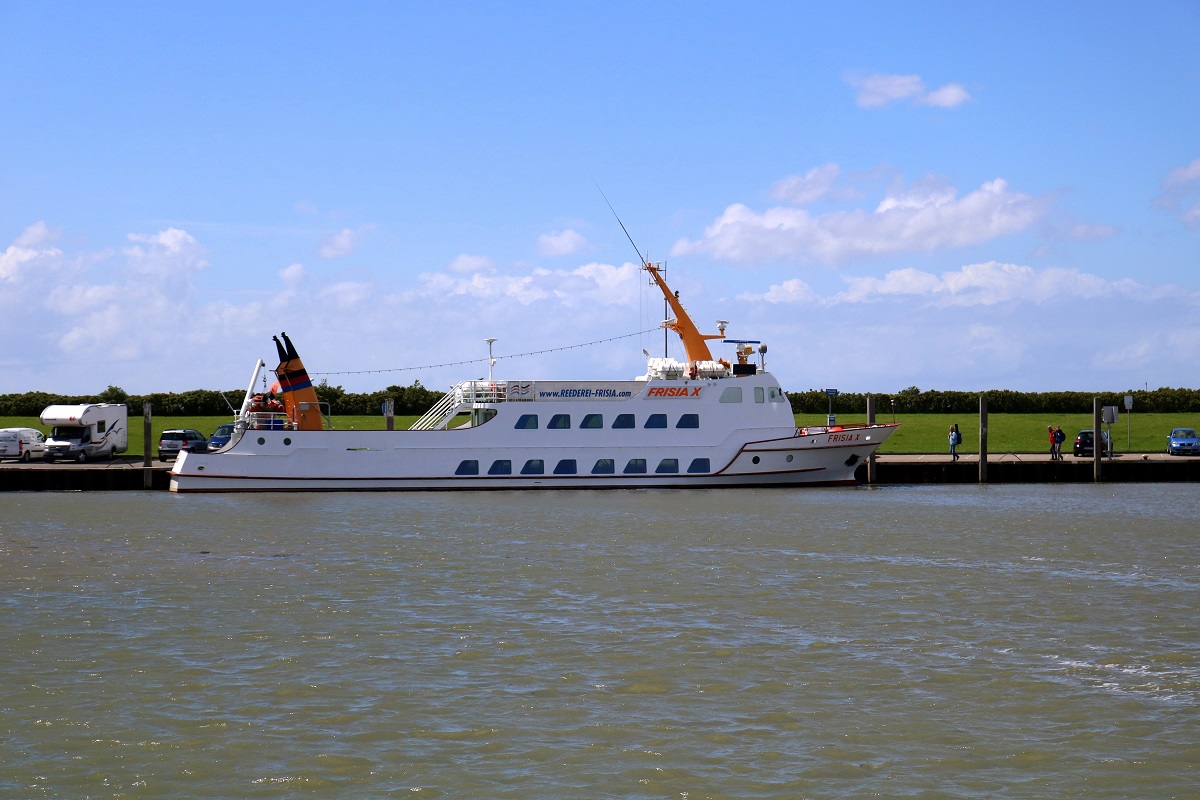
column 951, row 196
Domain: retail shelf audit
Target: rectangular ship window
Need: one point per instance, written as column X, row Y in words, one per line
column 656, row 421
column 565, row 467
column 500, row 466
column 467, row 466
column 732, row 394
column 534, row 466
column 526, row 422
column 667, row 465
column 592, row 421
column 636, row 466
column 560, row 421
column 604, row 466
column 699, row 465
column 688, row 421
column 623, row 421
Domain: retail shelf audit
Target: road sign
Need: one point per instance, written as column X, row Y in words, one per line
column 831, row 392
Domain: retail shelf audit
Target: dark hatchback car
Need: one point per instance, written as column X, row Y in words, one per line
column 1085, row 443
column 221, row 436
column 172, row 442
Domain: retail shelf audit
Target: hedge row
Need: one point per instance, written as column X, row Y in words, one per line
column 416, row 399
column 409, row 400
column 999, row 401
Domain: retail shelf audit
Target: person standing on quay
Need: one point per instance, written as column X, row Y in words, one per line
column 1059, row 438
column 955, row 441
column 1053, row 443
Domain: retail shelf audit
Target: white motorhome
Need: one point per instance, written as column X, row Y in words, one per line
column 90, row 431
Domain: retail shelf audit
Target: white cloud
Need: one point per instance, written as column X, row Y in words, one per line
column 879, row 90
column 948, row 96
column 344, row 242
column 972, row 285
column 560, row 243
column 929, row 216
column 468, row 264
column 592, row 284
column 35, row 235
column 171, row 254
column 801, row 190
column 1181, row 193
column 30, row 251
column 347, row 295
column 792, row 290
column 293, row 274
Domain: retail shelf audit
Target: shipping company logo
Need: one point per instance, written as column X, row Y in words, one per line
column 674, row 391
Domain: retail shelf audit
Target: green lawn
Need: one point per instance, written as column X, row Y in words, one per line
column 1016, row 433
column 918, row 433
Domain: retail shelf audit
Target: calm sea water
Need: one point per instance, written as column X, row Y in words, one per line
column 933, row 642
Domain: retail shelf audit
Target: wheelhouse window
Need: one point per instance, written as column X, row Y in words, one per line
column 636, row 466
column 758, row 394
column 688, row 421
column 699, row 465
column 775, row 394
column 667, row 465
column 623, row 421
column 527, row 422
column 501, row 466
column 534, row 466
column 560, row 422
column 592, row 421
column 656, row 421
column 604, row 466
column 565, row 467
column 467, row 466
column 732, row 394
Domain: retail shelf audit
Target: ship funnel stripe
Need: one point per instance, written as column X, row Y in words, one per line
column 294, row 381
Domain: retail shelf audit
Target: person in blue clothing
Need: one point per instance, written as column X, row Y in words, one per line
column 955, row 441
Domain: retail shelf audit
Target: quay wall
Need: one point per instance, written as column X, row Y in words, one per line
column 1014, row 468
column 894, row 470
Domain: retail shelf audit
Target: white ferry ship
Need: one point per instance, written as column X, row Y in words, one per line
column 702, row 423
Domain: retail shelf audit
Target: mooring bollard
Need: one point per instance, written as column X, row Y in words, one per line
column 147, row 447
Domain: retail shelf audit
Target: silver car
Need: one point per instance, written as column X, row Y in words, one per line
column 172, row 442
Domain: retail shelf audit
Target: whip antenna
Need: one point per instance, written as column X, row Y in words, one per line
column 622, row 224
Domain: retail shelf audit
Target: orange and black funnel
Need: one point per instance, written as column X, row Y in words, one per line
column 299, row 396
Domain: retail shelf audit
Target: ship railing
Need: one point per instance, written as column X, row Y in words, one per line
column 464, row 395
column 482, row 391
column 279, row 420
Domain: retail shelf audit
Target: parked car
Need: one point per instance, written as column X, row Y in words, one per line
column 1183, row 442
column 172, row 442
column 23, row 444
column 1085, row 443
column 221, row 436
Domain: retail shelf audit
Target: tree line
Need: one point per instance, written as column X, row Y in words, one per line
column 415, row 399
column 999, row 401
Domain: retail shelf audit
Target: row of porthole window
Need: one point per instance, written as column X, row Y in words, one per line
column 570, row 466
column 529, row 422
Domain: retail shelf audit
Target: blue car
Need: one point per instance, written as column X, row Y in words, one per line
column 220, row 437
column 1183, row 442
